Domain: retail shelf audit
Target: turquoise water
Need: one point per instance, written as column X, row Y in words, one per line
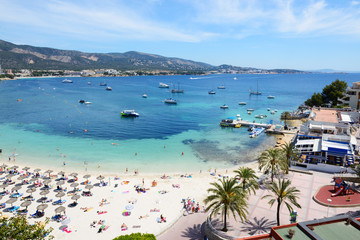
column 49, row 126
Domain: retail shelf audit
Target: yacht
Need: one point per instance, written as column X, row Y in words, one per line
column 242, row 103
column 178, row 90
column 224, row 106
column 129, row 113
column 212, row 92
column 257, row 90
column 271, row 97
column 163, row 85
column 170, row 101
column 144, row 95
column 221, row 87
column 108, row 88
column 67, row 81
column 103, row 84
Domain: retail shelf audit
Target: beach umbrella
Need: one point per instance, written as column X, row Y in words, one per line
column 31, row 190
column 129, row 207
column 26, row 168
column 100, row 177
column 75, row 197
column 11, row 201
column 4, row 185
column 37, row 170
column 74, row 185
column 59, row 209
column 61, row 173
column 42, row 206
column 89, row 186
column 25, row 204
column 45, row 192
column 66, row 221
column 9, row 175
column 87, row 176
column 60, row 195
column 73, row 174
column 48, row 171
column 16, row 188
column 22, row 177
column 1, row 196
column 3, row 165
column 47, row 181
column 14, row 167
column 60, row 183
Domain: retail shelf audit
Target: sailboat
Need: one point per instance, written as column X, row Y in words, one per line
column 178, row 90
column 257, row 90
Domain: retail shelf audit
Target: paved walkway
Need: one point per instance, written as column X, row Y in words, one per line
column 261, row 217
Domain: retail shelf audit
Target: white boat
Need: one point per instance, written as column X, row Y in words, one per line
column 250, row 110
column 271, row 97
column 67, row 81
column 103, row 84
column 170, row 101
column 257, row 90
column 89, row 83
column 275, row 110
column 224, row 106
column 212, row 92
column 261, row 116
column 242, row 103
column 108, row 88
column 221, row 87
column 256, row 132
column 268, row 109
column 87, row 102
column 163, row 85
column 272, row 112
column 235, row 78
column 129, row 113
column 144, row 95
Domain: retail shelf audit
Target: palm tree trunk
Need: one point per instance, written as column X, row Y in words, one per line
column 272, row 173
column 278, row 213
column 225, row 229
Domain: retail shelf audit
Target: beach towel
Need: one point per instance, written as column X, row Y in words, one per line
column 88, row 209
column 103, row 212
column 125, row 192
column 67, row 230
column 154, row 210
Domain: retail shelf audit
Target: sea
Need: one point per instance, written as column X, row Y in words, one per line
column 43, row 124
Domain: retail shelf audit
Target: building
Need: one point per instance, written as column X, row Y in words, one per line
column 352, row 96
column 334, row 228
column 329, row 137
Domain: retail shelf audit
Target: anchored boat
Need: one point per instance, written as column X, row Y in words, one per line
column 129, row 113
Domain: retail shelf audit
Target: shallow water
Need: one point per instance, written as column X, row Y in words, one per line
column 49, row 126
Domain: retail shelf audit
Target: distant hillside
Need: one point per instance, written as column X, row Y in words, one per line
column 14, row 56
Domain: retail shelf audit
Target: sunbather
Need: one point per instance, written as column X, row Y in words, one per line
column 145, row 216
column 124, row 227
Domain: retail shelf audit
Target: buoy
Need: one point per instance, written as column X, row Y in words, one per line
column 135, row 154
column 38, row 130
column 85, row 130
column 182, row 153
column 19, row 100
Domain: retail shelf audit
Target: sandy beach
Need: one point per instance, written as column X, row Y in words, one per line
column 122, row 204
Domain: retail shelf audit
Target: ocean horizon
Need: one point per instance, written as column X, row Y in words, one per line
column 43, row 124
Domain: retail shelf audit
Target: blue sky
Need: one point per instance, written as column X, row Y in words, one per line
column 305, row 34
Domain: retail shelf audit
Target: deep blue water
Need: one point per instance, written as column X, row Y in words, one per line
column 51, row 108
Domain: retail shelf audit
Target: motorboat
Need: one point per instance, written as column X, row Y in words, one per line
column 271, row 97
column 256, row 132
column 170, row 101
column 103, row 84
column 67, row 81
column 272, row 112
column 250, row 110
column 221, row 87
column 235, row 78
column 212, row 92
column 108, row 88
column 268, row 109
column 81, row 101
column 224, row 106
column 144, row 95
column 89, row 83
column 129, row 113
column 261, row 116
column 87, row 102
column 163, row 85
column 242, row 103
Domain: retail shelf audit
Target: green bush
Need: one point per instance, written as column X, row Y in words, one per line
column 136, row 236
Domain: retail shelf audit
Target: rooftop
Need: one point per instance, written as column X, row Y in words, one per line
column 324, row 115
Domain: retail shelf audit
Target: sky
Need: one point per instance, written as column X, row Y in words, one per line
column 304, row 34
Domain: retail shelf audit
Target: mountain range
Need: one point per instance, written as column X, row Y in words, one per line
column 14, row 56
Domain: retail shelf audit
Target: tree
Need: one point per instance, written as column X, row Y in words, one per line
column 136, row 236
column 332, row 92
column 227, row 196
column 289, row 153
column 282, row 192
column 18, row 228
column 315, row 100
column 247, row 179
column 272, row 160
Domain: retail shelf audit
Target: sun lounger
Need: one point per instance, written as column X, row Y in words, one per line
column 59, row 202
column 13, row 208
column 2, row 205
column 126, row 213
column 16, row 195
column 102, row 212
column 22, row 212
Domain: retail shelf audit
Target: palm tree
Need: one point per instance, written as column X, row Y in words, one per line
column 227, row 196
column 247, row 179
column 272, row 160
column 290, row 153
column 282, row 192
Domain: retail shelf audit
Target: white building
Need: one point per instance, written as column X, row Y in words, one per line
column 352, row 96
